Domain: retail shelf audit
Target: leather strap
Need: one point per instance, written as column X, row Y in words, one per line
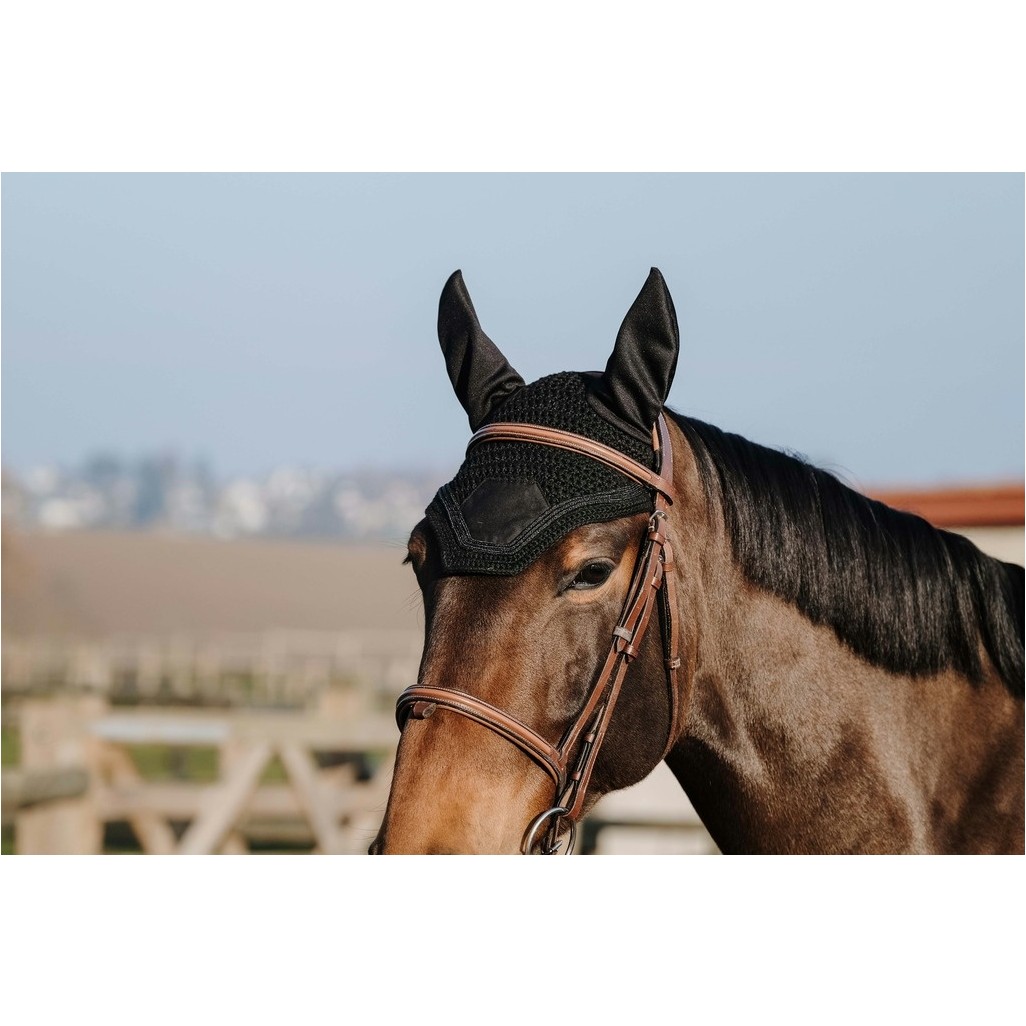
column 551, row 759
column 625, row 646
column 576, row 443
column 652, row 583
column 671, row 639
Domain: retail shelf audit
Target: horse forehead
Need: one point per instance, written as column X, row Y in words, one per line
column 476, row 599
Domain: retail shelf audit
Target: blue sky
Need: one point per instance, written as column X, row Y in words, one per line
column 872, row 322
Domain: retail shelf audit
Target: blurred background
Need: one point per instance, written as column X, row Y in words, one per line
column 224, row 406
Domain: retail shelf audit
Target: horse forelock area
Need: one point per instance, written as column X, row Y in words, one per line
column 900, row 593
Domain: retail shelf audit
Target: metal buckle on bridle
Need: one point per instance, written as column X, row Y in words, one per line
column 653, row 521
column 550, row 844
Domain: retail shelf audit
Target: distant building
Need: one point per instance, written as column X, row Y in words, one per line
column 991, row 516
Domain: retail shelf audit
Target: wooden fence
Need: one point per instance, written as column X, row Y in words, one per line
column 77, row 775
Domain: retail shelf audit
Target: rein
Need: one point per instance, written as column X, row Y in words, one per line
column 570, row 762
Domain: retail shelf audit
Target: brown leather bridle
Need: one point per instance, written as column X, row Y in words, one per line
column 653, row 569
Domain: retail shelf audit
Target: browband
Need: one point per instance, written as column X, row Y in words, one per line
column 578, row 443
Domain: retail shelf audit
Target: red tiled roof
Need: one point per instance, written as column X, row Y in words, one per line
column 988, row 506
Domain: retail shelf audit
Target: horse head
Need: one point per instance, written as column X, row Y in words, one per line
column 527, row 563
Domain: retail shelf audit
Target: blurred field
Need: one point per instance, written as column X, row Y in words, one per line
column 102, row 583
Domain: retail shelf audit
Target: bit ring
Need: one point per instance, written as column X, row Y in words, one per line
column 530, row 835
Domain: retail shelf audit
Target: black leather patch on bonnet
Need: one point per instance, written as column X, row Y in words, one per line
column 510, row 501
column 498, row 511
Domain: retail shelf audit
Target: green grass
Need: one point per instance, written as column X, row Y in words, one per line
column 10, row 746
column 10, row 755
column 166, row 762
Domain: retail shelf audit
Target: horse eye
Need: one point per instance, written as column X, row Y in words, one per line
column 592, row 576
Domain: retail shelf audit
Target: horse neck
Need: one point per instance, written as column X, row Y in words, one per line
column 791, row 742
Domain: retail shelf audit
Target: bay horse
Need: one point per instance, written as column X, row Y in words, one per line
column 607, row 584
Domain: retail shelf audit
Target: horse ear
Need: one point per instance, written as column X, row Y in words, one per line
column 640, row 370
column 481, row 377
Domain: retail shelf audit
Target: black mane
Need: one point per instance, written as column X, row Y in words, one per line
column 899, row 592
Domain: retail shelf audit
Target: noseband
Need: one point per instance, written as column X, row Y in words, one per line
column 571, row 761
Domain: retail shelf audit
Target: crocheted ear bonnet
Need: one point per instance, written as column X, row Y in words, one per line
column 511, row 500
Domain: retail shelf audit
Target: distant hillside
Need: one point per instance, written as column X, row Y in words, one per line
column 98, row 583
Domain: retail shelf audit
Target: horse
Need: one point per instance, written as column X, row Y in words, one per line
column 608, row 583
